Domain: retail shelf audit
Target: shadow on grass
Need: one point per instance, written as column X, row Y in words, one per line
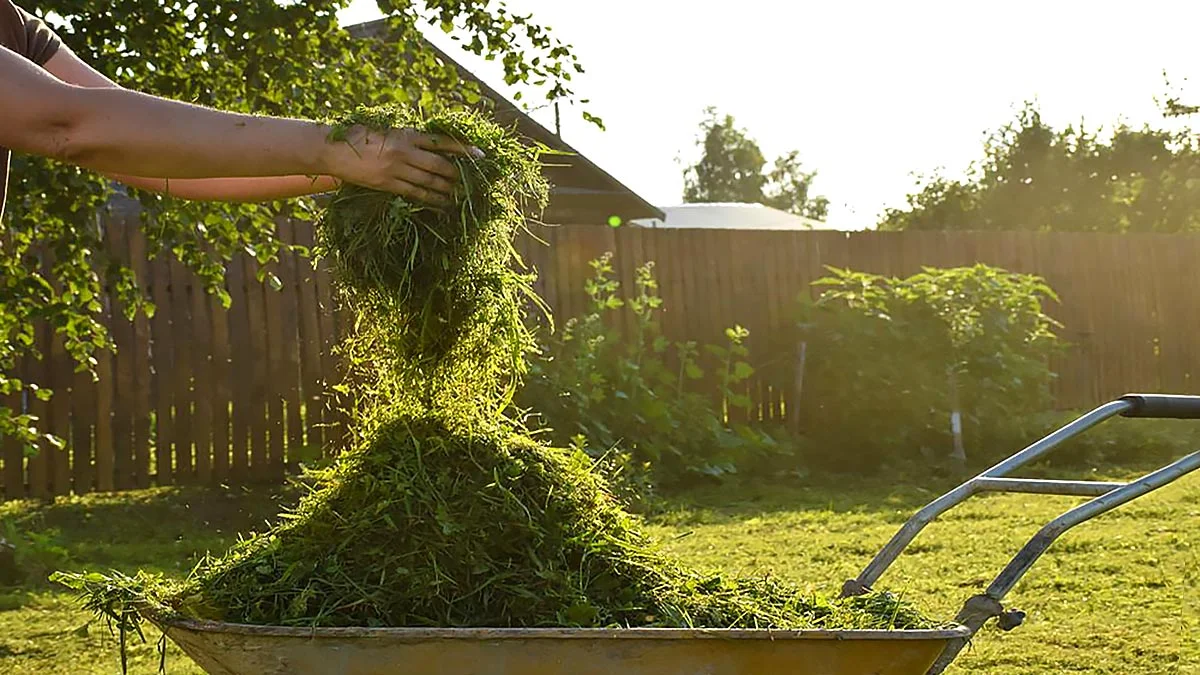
column 160, row 529
column 835, row 495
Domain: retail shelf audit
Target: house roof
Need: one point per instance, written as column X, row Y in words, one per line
column 581, row 192
column 730, row 215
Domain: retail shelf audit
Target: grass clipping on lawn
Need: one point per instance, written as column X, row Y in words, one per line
column 442, row 513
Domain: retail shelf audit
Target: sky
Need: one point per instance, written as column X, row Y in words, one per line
column 872, row 94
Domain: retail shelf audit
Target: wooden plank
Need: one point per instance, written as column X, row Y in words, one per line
column 104, row 457
column 626, row 263
column 62, row 374
column 791, row 266
column 740, row 308
column 83, row 419
column 781, row 294
column 241, row 368
column 578, row 257
column 1112, row 319
column 1074, row 376
column 36, row 373
column 1189, row 321
column 834, row 251
column 142, row 367
column 716, row 249
column 704, row 307
column 1141, row 333
column 220, row 388
column 124, row 396
column 560, row 278
column 670, row 266
column 1183, row 313
column 590, row 244
column 332, row 435
column 202, row 380
column 537, row 257
column 277, row 384
column 859, row 253
column 13, row 453
column 1167, row 362
column 183, row 334
column 290, row 308
column 311, row 374
column 750, row 309
column 910, row 254
column 258, row 372
column 162, row 354
column 684, row 244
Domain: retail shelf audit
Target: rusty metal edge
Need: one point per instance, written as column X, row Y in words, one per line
column 478, row 634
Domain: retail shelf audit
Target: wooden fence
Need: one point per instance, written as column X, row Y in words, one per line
column 199, row 394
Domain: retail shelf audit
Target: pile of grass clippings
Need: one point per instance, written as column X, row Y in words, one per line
column 443, row 513
column 437, row 293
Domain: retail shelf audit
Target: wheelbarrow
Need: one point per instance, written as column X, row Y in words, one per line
column 233, row 649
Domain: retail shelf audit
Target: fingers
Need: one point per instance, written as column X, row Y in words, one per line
column 433, row 163
column 418, row 193
column 414, row 164
column 440, row 143
column 426, row 180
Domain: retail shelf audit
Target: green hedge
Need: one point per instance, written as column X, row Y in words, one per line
column 630, row 398
column 887, row 360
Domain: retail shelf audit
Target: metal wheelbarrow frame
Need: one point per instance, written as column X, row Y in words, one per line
column 233, row 649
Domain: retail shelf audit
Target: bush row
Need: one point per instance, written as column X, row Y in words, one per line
column 888, row 364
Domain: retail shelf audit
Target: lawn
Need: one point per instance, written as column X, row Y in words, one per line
column 1117, row 595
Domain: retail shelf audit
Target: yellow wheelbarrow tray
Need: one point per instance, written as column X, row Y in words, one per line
column 237, row 649
column 231, row 649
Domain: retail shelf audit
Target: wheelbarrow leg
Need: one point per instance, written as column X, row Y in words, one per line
column 979, row 609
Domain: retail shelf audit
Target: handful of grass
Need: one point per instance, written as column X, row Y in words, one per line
column 443, row 513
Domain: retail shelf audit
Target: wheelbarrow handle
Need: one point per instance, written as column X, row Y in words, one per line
column 979, row 609
column 1162, row 406
column 1107, row 496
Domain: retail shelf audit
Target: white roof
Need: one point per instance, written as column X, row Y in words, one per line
column 730, row 216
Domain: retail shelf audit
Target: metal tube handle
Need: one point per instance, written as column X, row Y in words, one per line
column 1163, row 406
column 1041, row 541
column 979, row 609
column 926, row 515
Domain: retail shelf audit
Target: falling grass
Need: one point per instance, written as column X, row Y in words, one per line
column 442, row 513
column 438, row 293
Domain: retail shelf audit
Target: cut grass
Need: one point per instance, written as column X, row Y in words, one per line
column 441, row 512
column 1115, row 596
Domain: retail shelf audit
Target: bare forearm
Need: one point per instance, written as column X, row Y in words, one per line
column 97, row 125
column 264, row 189
column 69, row 68
column 126, row 132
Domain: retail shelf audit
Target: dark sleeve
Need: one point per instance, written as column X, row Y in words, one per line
column 32, row 38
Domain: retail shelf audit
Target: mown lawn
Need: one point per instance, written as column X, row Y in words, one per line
column 1118, row 595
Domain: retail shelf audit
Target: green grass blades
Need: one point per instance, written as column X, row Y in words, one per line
column 441, row 513
column 437, row 293
column 432, row 525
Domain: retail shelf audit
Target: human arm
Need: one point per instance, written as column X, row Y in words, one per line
column 122, row 132
column 68, row 67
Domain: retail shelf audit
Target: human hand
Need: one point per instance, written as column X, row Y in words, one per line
column 407, row 162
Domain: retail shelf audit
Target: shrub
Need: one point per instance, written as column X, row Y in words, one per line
column 28, row 556
column 888, row 360
column 629, row 398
